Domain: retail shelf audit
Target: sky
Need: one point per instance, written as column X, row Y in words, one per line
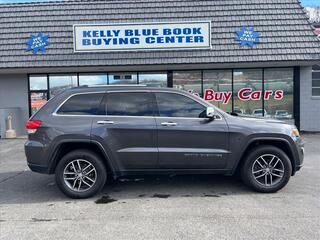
column 304, row 2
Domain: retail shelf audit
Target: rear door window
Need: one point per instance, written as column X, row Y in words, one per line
column 82, row 104
column 130, row 104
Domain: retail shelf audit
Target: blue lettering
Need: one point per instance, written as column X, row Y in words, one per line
column 96, row 41
column 123, row 41
column 86, row 34
column 197, row 31
column 86, row 42
column 166, row 31
column 170, row 39
column 177, row 31
column 116, row 33
column 150, row 40
column 189, row 39
column 134, row 40
column 128, row 32
column 95, row 33
column 107, row 41
column 187, row 31
column 198, row 39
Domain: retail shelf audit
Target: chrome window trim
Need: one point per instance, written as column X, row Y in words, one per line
column 205, row 104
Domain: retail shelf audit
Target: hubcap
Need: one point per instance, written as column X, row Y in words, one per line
column 80, row 175
column 268, row 170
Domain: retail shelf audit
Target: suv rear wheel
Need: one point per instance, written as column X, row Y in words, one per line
column 80, row 174
column 266, row 169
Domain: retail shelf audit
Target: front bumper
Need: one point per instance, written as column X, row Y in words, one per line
column 300, row 155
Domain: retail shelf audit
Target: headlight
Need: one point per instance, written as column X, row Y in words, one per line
column 295, row 133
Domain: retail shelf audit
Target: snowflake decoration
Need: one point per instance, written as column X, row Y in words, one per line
column 38, row 43
column 248, row 36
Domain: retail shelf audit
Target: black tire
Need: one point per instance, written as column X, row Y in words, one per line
column 88, row 156
column 266, row 151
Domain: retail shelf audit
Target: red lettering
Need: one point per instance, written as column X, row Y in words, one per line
column 242, row 94
column 267, row 94
column 278, row 95
column 256, row 95
column 208, row 94
column 227, row 97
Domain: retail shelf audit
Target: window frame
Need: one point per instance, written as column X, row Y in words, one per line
column 313, row 87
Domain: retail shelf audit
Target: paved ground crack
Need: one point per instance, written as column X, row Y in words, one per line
column 11, row 177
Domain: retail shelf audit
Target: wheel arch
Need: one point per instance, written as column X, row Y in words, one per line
column 280, row 143
column 66, row 146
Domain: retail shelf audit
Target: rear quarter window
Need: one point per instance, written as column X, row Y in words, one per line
column 81, row 104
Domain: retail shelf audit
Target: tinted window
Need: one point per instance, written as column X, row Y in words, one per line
column 82, row 104
column 176, row 105
column 130, row 104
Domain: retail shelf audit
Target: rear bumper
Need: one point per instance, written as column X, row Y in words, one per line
column 36, row 159
column 38, row 168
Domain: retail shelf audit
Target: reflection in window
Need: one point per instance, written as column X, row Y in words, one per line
column 278, row 85
column 123, row 78
column 188, row 81
column 153, row 79
column 93, row 79
column 82, row 104
column 38, row 99
column 130, row 104
column 58, row 83
column 248, row 92
column 217, row 85
column 38, row 82
column 176, row 105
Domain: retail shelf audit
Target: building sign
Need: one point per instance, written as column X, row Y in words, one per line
column 248, row 36
column 38, row 43
column 142, row 36
column 244, row 94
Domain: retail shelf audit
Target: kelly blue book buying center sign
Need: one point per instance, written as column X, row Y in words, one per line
column 142, row 36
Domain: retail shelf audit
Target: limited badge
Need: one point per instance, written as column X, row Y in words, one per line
column 38, row 43
column 248, row 36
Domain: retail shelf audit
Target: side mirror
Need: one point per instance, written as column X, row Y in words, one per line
column 210, row 112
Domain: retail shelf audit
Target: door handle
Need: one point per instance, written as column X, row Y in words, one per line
column 169, row 124
column 105, row 122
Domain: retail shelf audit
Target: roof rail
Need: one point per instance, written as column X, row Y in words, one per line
column 118, row 85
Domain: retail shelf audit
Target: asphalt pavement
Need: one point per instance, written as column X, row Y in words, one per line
column 175, row 207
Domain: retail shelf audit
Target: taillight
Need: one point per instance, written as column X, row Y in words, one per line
column 33, row 125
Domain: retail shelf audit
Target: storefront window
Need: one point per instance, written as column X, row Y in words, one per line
column 217, row 88
column 123, row 78
column 93, row 79
column 278, row 95
column 316, row 81
column 248, row 92
column 153, row 79
column 188, row 81
column 38, row 99
column 38, row 82
column 59, row 83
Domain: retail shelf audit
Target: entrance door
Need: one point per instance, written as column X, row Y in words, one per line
column 185, row 140
column 128, row 129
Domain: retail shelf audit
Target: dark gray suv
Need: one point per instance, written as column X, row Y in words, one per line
column 86, row 133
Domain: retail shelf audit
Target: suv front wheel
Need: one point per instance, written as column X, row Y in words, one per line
column 266, row 169
column 80, row 174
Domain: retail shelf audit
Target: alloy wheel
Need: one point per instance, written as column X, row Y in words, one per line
column 79, row 175
column 268, row 170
